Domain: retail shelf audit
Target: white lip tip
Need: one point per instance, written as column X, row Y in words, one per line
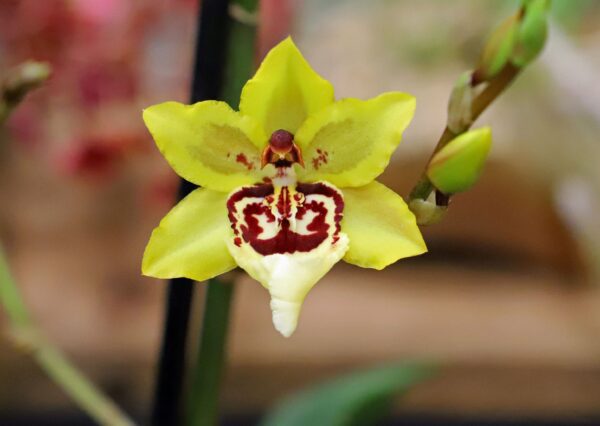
column 286, row 330
column 284, row 324
column 285, row 316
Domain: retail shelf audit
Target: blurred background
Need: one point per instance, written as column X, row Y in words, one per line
column 507, row 300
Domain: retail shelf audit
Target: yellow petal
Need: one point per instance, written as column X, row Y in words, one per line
column 208, row 143
column 380, row 226
column 285, row 90
column 191, row 240
column 350, row 142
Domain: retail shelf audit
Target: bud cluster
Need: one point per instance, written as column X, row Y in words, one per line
column 461, row 153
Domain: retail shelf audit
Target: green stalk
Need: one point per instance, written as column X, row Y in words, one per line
column 20, row 81
column 496, row 86
column 211, row 358
column 25, row 335
column 203, row 402
column 510, row 48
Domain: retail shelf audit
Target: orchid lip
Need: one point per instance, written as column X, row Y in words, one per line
column 287, row 237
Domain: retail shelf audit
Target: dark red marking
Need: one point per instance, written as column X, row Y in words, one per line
column 242, row 159
column 321, row 158
column 260, row 191
column 328, row 191
column 281, row 141
column 286, row 240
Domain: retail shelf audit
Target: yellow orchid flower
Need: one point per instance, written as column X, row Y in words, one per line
column 287, row 184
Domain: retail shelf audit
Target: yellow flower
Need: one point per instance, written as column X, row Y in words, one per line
column 287, row 184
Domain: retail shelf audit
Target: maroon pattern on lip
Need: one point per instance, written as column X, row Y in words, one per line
column 286, row 240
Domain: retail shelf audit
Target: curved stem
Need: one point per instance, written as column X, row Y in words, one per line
column 20, row 81
column 494, row 88
column 25, row 336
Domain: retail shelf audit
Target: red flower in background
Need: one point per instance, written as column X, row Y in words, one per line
column 97, row 157
column 99, row 51
column 104, row 55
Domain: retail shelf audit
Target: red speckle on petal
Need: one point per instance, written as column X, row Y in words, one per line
column 321, row 158
column 242, row 159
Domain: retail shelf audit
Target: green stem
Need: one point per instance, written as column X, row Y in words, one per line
column 11, row 298
column 89, row 398
column 19, row 82
column 204, row 396
column 494, row 88
column 203, row 403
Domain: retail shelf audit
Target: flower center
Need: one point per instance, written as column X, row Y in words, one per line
column 281, row 141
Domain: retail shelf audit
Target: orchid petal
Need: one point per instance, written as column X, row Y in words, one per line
column 208, row 143
column 350, row 142
column 380, row 226
column 190, row 240
column 285, row 90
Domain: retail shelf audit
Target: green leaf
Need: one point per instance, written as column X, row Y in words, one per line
column 457, row 166
column 532, row 32
column 356, row 399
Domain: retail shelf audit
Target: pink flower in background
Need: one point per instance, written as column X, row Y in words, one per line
column 107, row 81
column 24, row 126
column 101, row 12
column 97, row 157
column 99, row 51
column 275, row 23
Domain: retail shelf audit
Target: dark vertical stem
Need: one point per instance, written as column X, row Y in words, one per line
column 211, row 44
column 171, row 363
column 203, row 408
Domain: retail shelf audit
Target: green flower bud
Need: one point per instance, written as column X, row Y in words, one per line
column 532, row 32
column 426, row 212
column 498, row 49
column 23, row 79
column 459, row 105
column 457, row 166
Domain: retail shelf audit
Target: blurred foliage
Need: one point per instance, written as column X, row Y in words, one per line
column 355, row 399
column 571, row 13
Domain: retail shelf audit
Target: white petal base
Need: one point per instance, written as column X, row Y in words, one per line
column 289, row 277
